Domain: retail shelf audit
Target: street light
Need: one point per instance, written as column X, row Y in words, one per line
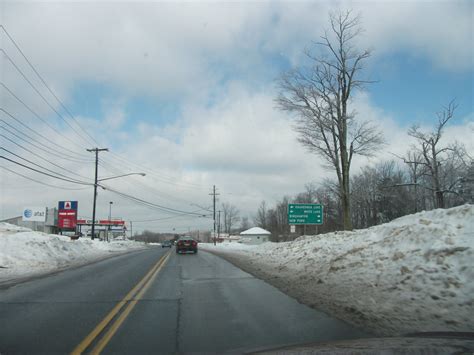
column 95, row 192
column 110, row 210
column 110, row 217
column 114, row 177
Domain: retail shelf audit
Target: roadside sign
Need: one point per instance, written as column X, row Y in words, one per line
column 34, row 214
column 305, row 213
column 67, row 214
column 67, row 205
column 101, row 222
column 292, row 229
column 67, row 219
column 111, row 222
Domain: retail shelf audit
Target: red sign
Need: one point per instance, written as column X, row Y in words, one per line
column 102, row 222
column 111, row 222
column 67, row 219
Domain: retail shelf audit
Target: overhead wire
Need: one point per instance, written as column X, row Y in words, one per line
column 49, row 150
column 45, row 84
column 42, row 167
column 159, row 176
column 154, row 190
column 47, row 174
column 151, row 204
column 35, row 114
column 37, row 155
column 41, row 95
column 42, row 182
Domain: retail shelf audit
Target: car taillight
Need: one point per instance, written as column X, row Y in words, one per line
column 194, row 244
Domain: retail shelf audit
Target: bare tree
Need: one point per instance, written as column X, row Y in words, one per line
column 230, row 216
column 261, row 219
column 244, row 224
column 433, row 156
column 320, row 96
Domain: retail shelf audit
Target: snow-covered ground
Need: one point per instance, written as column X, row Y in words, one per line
column 414, row 274
column 24, row 253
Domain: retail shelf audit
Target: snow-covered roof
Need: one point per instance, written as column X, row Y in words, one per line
column 255, row 231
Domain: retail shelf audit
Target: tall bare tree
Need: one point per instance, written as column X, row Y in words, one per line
column 433, row 156
column 230, row 216
column 261, row 219
column 320, row 95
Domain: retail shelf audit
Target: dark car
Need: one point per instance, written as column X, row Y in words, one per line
column 167, row 244
column 185, row 244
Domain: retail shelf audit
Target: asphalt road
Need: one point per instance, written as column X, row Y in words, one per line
column 186, row 303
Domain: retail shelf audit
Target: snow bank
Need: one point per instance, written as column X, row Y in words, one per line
column 25, row 253
column 413, row 274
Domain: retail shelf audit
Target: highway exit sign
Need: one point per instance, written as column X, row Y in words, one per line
column 305, row 213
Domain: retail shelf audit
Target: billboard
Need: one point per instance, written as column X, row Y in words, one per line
column 67, row 214
column 34, row 214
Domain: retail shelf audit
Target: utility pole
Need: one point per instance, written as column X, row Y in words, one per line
column 214, row 194
column 219, row 225
column 96, row 150
column 131, row 230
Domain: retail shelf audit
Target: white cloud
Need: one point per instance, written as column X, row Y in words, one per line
column 114, row 117
column 174, row 48
column 237, row 140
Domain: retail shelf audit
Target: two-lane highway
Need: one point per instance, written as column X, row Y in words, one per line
column 155, row 301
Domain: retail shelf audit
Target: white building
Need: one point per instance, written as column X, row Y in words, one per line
column 255, row 235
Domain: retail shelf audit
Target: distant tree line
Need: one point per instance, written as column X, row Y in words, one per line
column 379, row 194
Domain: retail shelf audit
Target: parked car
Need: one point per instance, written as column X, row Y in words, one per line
column 167, row 244
column 185, row 244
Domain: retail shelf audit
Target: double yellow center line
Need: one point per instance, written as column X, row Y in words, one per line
column 130, row 300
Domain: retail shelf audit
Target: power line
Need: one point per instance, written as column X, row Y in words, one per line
column 166, row 218
column 159, row 176
column 36, row 154
column 35, row 114
column 42, row 172
column 151, row 204
column 108, row 166
column 39, row 93
column 45, row 84
column 41, row 182
column 42, row 167
column 55, row 152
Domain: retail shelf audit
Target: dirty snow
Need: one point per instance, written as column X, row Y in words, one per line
column 24, row 253
column 414, row 274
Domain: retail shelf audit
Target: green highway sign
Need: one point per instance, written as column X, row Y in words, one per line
column 305, row 213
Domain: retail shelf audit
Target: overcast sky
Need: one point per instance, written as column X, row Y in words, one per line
column 185, row 92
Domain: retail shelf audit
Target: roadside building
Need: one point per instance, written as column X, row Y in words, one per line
column 48, row 226
column 255, row 235
column 227, row 238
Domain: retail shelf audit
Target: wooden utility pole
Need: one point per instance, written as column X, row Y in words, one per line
column 96, row 150
column 214, row 194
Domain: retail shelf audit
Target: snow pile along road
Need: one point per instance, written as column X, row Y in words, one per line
column 414, row 274
column 24, row 253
